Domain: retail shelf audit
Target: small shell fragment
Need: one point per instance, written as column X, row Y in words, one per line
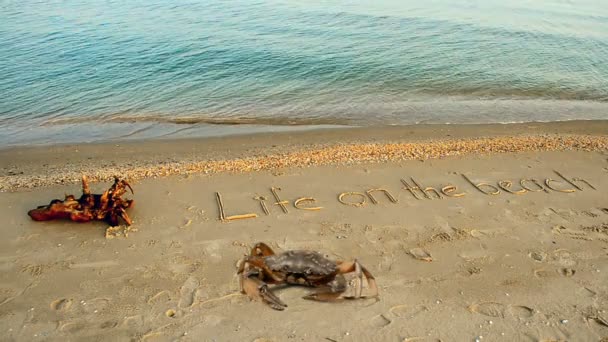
column 538, row 256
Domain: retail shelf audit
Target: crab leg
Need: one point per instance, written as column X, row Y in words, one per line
column 332, row 292
column 245, row 272
column 324, row 296
column 355, row 266
column 359, row 275
column 259, row 290
column 261, row 249
column 259, row 263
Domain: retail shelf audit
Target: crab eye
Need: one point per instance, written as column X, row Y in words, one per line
column 308, row 271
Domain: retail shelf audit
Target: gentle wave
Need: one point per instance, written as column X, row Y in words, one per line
column 193, row 120
column 428, row 109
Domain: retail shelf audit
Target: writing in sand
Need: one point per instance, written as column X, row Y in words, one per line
column 413, row 187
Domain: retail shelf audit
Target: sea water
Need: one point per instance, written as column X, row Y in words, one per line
column 91, row 70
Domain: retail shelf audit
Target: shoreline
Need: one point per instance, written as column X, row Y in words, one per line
column 327, row 132
column 31, row 167
column 132, row 128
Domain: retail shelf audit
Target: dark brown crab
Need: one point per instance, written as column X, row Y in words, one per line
column 299, row 267
column 108, row 206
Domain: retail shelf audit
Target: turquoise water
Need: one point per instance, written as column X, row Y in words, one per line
column 111, row 70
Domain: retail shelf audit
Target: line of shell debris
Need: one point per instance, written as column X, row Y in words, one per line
column 346, row 154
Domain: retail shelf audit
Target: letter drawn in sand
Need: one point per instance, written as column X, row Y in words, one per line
column 506, row 186
column 425, row 191
column 571, row 181
column 280, row 203
column 548, row 182
column 494, row 191
column 223, row 216
column 374, row 200
column 448, row 189
column 298, row 203
column 411, row 188
column 539, row 187
column 354, row 204
column 262, row 200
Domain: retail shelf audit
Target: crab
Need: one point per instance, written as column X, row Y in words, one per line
column 300, row 267
column 109, row 206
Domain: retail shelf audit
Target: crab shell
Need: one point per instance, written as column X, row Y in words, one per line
column 300, row 267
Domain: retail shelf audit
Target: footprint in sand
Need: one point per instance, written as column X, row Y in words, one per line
column 490, row 309
column 188, row 292
column 93, row 306
column 71, row 326
column 108, row 324
column 34, row 270
column 160, row 297
column 6, row 295
column 542, row 273
column 563, row 257
column 521, row 311
column 62, row 304
column 494, row 309
column 380, row 321
column 407, row 311
column 133, row 322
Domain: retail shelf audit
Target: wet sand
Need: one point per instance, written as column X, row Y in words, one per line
column 518, row 265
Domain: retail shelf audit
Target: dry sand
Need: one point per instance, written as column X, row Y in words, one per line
column 506, row 267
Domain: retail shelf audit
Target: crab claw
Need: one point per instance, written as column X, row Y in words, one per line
column 258, row 290
column 269, row 298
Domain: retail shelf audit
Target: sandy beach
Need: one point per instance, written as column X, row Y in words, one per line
column 473, row 232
